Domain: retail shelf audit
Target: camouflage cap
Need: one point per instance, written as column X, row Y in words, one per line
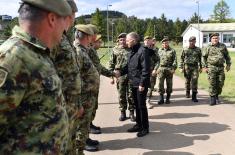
column 93, row 28
column 84, row 28
column 73, row 5
column 147, row 37
column 122, row 35
column 98, row 37
column 214, row 34
column 192, row 38
column 60, row 7
column 165, row 39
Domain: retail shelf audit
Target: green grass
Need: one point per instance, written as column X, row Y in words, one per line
column 229, row 86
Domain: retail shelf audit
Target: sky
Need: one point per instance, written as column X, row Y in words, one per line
column 139, row 8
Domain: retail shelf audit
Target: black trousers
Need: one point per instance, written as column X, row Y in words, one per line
column 140, row 107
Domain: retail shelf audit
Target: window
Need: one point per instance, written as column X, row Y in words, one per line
column 227, row 38
column 205, row 38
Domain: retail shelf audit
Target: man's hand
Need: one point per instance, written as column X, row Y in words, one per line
column 205, row 70
column 80, row 112
column 112, row 82
column 141, row 88
column 117, row 73
column 154, row 73
column 173, row 71
column 227, row 68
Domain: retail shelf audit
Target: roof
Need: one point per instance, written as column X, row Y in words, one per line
column 212, row 27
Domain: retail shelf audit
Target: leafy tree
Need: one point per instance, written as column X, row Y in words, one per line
column 98, row 20
column 178, row 27
column 150, row 29
column 194, row 19
column 221, row 12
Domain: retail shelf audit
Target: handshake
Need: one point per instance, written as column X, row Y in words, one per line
column 116, row 74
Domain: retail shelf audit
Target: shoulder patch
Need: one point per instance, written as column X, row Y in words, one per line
column 3, row 76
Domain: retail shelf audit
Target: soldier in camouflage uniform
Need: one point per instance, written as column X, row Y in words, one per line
column 154, row 58
column 117, row 61
column 90, row 84
column 168, row 65
column 191, row 65
column 214, row 57
column 33, row 118
column 101, row 69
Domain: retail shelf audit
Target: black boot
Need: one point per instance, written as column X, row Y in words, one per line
column 161, row 101
column 94, row 129
column 187, row 94
column 168, row 96
column 194, row 97
column 91, row 142
column 123, row 116
column 132, row 116
column 217, row 98
column 213, row 100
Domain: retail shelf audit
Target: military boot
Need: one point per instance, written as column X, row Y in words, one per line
column 132, row 116
column 168, row 96
column 161, row 101
column 94, row 129
column 187, row 94
column 123, row 116
column 213, row 100
column 194, row 97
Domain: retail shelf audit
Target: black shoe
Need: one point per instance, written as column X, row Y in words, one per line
column 94, row 129
column 168, row 99
column 132, row 116
column 91, row 148
column 213, row 101
column 142, row 133
column 123, row 116
column 194, row 97
column 135, row 128
column 91, row 142
column 217, row 99
column 161, row 101
column 187, row 94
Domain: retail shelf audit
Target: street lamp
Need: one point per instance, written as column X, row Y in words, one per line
column 112, row 33
column 154, row 30
column 108, row 24
column 198, row 22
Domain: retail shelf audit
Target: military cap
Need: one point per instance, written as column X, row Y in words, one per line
column 214, row 34
column 165, row 39
column 93, row 28
column 192, row 38
column 122, row 35
column 60, row 7
column 84, row 28
column 98, row 37
column 73, row 5
column 154, row 38
column 147, row 37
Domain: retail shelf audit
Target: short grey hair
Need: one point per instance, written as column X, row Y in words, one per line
column 134, row 36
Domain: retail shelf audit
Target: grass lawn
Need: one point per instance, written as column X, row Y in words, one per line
column 229, row 86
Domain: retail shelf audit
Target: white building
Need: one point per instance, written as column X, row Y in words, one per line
column 203, row 31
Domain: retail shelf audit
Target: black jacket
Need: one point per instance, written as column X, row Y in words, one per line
column 138, row 66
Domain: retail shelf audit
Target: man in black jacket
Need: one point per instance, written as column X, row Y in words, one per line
column 138, row 70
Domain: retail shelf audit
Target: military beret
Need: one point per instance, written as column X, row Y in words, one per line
column 165, row 39
column 84, row 28
column 73, row 5
column 98, row 37
column 93, row 28
column 192, row 38
column 214, row 34
column 147, row 37
column 60, row 7
column 122, row 35
column 154, row 38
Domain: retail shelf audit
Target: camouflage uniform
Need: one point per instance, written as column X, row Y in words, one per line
column 190, row 62
column 214, row 57
column 117, row 61
column 33, row 118
column 90, row 85
column 69, row 72
column 168, row 62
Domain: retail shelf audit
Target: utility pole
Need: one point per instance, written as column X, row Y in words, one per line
column 108, row 24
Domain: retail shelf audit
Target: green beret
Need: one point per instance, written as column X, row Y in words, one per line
column 214, row 34
column 122, row 35
column 84, row 28
column 192, row 38
column 60, row 7
column 93, row 28
column 73, row 5
column 147, row 37
column 165, row 39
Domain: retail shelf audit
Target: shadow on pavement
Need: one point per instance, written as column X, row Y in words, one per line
column 177, row 115
column 166, row 153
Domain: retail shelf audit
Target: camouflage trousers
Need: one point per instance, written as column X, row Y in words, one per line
column 216, row 79
column 191, row 75
column 124, row 94
column 153, row 80
column 83, row 127
column 165, row 74
column 95, row 106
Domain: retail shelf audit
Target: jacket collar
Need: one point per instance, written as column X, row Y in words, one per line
column 135, row 48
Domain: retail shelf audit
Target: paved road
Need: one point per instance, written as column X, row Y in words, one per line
column 181, row 128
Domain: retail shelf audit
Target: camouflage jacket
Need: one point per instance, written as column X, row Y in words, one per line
column 168, row 58
column 89, row 74
column 33, row 118
column 96, row 61
column 154, row 59
column 216, row 55
column 191, row 57
column 118, row 58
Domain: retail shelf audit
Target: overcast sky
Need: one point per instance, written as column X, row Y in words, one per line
column 140, row 8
